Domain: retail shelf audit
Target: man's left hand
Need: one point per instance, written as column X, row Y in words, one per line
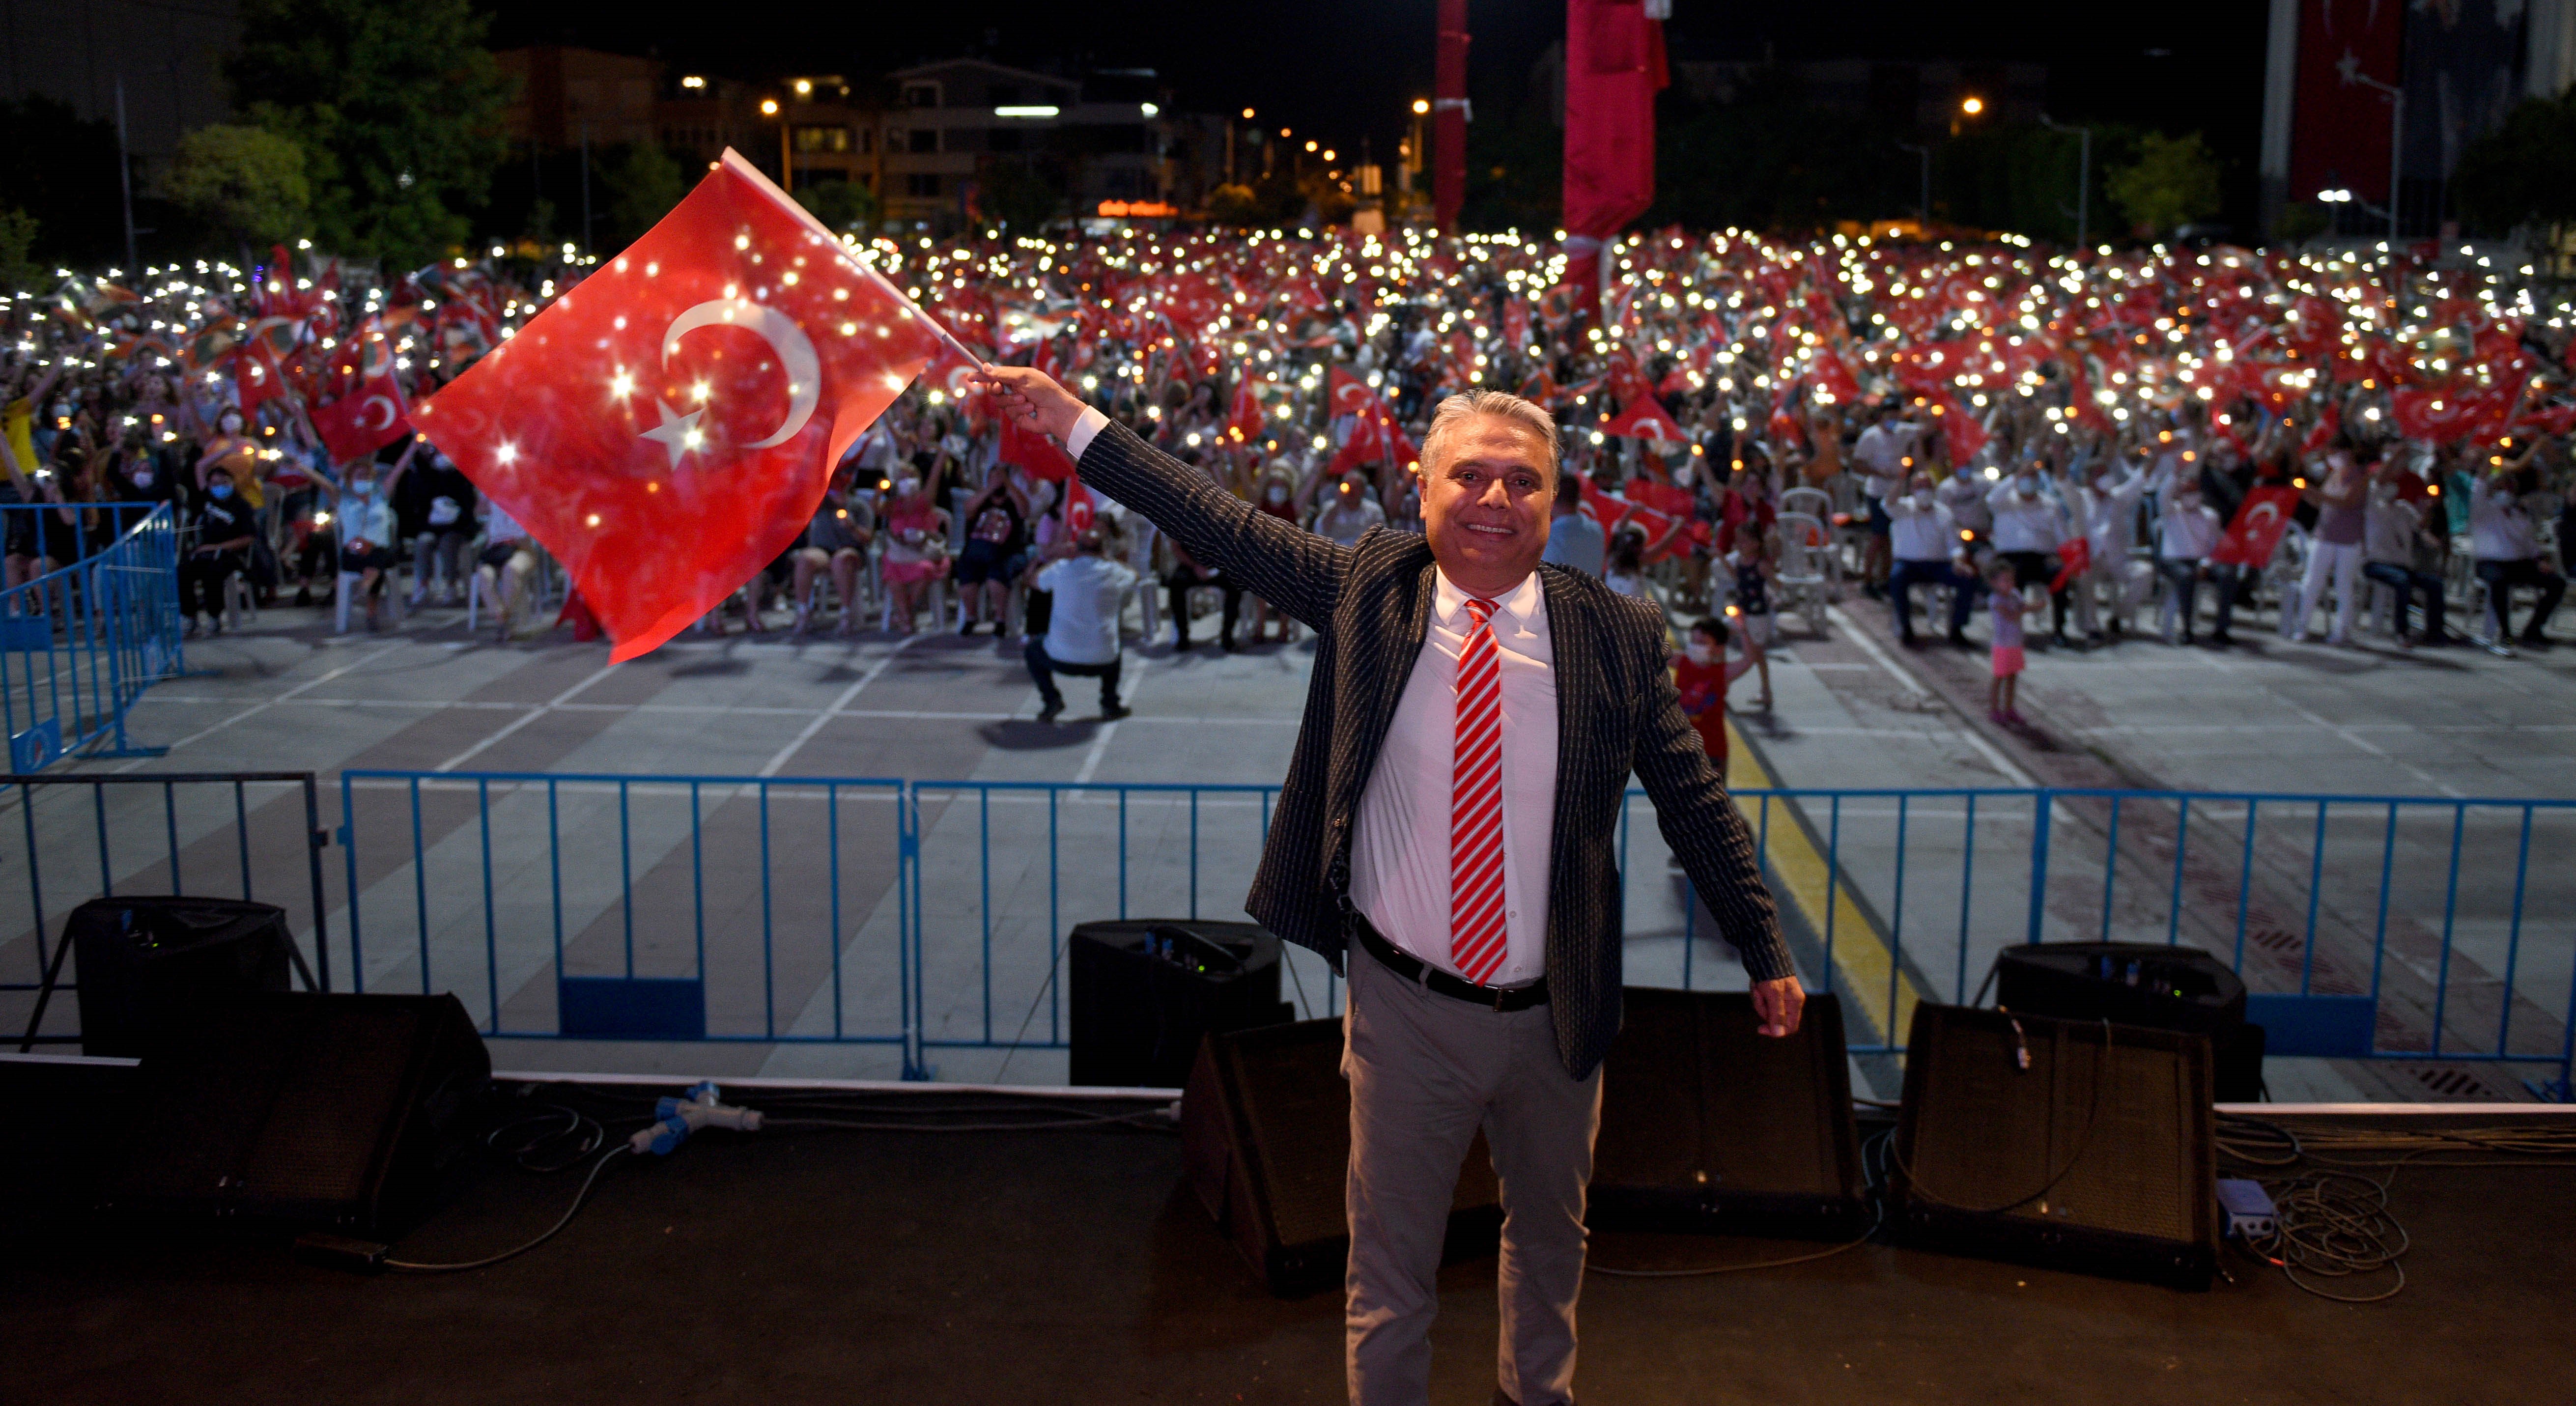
column 1779, row 1004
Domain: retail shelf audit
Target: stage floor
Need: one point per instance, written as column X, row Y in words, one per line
column 1071, row 1266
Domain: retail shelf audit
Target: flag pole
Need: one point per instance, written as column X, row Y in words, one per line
column 733, row 161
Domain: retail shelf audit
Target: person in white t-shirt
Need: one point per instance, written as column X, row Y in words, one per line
column 1082, row 629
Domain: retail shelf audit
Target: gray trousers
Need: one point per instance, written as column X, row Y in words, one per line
column 1426, row 1071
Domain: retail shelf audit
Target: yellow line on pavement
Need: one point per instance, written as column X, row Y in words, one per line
column 1863, row 965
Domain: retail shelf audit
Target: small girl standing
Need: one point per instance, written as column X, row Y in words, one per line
column 2006, row 603
column 1701, row 674
column 1754, row 571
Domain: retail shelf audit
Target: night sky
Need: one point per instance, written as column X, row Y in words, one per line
column 1334, row 69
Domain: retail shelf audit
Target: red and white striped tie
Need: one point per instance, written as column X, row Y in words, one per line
column 1478, row 939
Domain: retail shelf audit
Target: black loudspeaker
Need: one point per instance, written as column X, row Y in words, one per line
column 1144, row 992
column 1707, row 1125
column 325, row 1111
column 2141, row 983
column 145, row 960
column 67, row 1115
column 2076, row 1145
column 1266, row 1140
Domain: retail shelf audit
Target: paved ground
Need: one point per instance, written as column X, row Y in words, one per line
column 1911, row 897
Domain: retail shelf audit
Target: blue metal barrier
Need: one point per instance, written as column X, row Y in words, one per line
column 2365, row 927
column 78, row 644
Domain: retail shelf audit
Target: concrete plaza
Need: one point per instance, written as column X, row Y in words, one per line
column 1903, row 898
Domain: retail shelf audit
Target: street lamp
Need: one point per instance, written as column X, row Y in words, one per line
column 1972, row 105
column 786, row 165
column 2350, row 68
column 2083, row 177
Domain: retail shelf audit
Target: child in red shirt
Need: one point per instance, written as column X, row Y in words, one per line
column 1702, row 673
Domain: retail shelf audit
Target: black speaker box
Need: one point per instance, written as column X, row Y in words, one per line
column 1707, row 1125
column 68, row 1113
column 2075, row 1145
column 1144, row 992
column 324, row 1111
column 1266, row 1141
column 2141, row 983
column 142, row 961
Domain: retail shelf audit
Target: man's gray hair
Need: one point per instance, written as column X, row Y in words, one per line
column 1453, row 413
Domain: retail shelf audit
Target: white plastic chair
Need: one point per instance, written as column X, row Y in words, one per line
column 1805, row 545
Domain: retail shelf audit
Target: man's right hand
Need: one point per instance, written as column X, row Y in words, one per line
column 1033, row 398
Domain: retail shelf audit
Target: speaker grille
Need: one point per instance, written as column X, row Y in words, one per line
column 1297, row 1114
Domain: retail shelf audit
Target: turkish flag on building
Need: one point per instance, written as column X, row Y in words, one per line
column 2256, row 531
column 668, row 426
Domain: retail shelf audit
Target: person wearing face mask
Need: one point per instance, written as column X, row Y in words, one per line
column 1925, row 539
column 1277, row 498
column 224, row 532
column 1349, row 514
column 366, row 524
column 2334, row 547
column 916, row 554
column 2029, row 523
column 233, row 448
column 2188, row 529
column 2110, row 534
column 1702, row 674
column 2400, row 553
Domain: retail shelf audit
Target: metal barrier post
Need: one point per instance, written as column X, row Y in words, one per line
column 2040, row 808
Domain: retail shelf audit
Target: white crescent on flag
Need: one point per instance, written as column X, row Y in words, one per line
column 795, row 354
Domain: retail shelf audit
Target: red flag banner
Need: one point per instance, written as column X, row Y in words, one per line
column 2256, row 531
column 668, row 426
column 1645, row 419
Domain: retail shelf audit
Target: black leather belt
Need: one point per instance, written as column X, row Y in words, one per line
column 1414, row 969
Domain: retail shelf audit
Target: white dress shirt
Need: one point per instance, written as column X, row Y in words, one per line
column 1091, row 423
column 2499, row 529
column 1918, row 532
column 2025, row 524
column 1400, row 850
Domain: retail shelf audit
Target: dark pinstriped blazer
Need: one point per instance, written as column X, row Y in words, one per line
column 1369, row 606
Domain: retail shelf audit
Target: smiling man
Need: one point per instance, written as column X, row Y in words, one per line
column 1445, row 837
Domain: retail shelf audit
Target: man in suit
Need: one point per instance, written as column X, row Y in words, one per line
column 1445, row 836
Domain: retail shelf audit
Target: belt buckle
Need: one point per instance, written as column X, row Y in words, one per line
column 1498, row 1000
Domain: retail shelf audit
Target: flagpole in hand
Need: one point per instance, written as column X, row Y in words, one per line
column 1033, row 398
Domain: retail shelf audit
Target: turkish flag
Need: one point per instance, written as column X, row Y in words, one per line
column 668, row 426
column 1034, row 451
column 1246, row 418
column 1351, row 395
column 1645, row 419
column 363, row 421
column 1081, row 510
column 256, row 378
column 2256, row 531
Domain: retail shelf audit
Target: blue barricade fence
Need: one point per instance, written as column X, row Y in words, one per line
column 79, row 643
column 932, row 914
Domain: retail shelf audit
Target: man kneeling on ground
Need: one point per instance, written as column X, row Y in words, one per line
column 1082, row 633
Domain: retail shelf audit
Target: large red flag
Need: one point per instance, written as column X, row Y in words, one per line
column 1645, row 418
column 2256, row 531
column 668, row 426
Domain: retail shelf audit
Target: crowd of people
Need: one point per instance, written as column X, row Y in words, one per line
column 1749, row 423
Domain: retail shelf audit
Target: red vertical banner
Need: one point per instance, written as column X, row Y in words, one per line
column 1449, row 117
column 2339, row 130
column 1614, row 66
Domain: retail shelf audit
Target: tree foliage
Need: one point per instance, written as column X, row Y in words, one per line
column 639, row 183
column 18, row 230
column 397, row 107
column 2173, row 181
column 62, row 168
column 240, row 185
column 2523, row 171
column 1021, row 196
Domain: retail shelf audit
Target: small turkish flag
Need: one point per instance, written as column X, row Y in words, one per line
column 668, row 426
column 2257, row 529
column 1349, row 394
column 1645, row 419
column 1081, row 512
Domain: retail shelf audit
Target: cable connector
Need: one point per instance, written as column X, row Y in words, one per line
column 2251, row 1216
column 681, row 1117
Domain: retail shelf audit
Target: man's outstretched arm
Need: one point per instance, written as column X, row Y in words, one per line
column 1283, row 564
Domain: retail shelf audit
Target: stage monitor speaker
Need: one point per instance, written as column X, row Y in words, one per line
column 67, row 1114
column 1266, row 1139
column 1144, row 992
column 2075, row 1145
column 331, row 1111
column 143, row 961
column 2141, row 983
column 1707, row 1125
